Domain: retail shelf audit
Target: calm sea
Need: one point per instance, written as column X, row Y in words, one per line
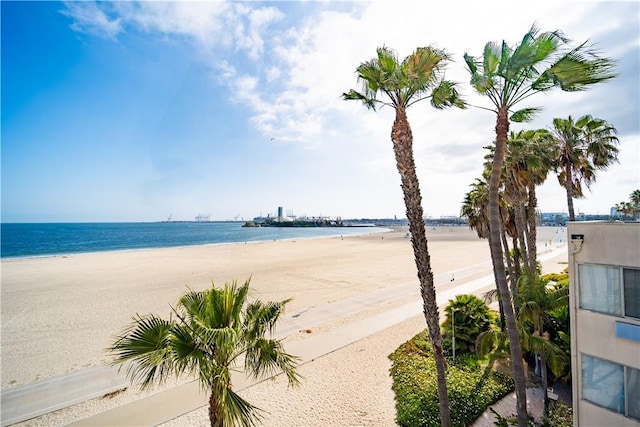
column 22, row 240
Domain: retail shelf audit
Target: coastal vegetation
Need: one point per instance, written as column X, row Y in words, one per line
column 401, row 84
column 472, row 387
column 541, row 306
column 507, row 76
column 584, row 146
column 476, row 374
column 630, row 208
column 213, row 331
column 467, row 316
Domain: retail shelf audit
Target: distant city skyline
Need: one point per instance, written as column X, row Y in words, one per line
column 135, row 111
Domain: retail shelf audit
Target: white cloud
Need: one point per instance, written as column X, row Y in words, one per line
column 89, row 18
column 292, row 77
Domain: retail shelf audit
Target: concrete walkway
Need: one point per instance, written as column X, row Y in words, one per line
column 39, row 398
column 506, row 407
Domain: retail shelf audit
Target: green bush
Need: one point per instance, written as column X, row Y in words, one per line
column 560, row 415
column 472, row 388
column 472, row 317
column 562, row 279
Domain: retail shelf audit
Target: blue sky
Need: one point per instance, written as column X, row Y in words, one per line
column 132, row 111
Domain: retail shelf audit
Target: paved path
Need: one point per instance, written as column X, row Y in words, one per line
column 506, row 407
column 39, row 398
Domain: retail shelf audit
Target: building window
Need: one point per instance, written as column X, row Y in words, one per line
column 633, row 393
column 611, row 385
column 603, row 383
column 609, row 290
column 631, row 280
column 600, row 288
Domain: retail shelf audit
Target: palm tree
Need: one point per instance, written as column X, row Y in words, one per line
column 585, row 146
column 528, row 160
column 625, row 208
column 634, row 198
column 212, row 331
column 474, row 208
column 507, row 77
column 535, row 301
column 402, row 84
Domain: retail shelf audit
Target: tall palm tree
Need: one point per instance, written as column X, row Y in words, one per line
column 402, row 84
column 213, row 330
column 634, row 198
column 507, row 77
column 585, row 146
column 530, row 156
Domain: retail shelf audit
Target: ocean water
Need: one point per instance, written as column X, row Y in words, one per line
column 42, row 239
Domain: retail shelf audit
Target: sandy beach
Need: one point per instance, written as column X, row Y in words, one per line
column 60, row 313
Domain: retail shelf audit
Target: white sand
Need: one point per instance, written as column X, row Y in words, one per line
column 59, row 313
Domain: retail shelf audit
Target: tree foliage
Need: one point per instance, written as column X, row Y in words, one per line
column 211, row 332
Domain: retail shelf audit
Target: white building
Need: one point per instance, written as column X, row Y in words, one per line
column 604, row 270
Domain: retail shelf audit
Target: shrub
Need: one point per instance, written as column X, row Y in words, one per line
column 472, row 388
column 472, row 317
column 562, row 279
column 560, row 415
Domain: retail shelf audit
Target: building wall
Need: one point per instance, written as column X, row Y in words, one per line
column 592, row 333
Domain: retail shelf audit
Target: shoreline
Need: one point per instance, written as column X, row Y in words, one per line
column 152, row 248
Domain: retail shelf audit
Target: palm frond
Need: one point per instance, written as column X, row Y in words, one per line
column 491, row 295
column 370, row 103
column 262, row 317
column 267, row 357
column 238, row 412
column 446, row 95
column 146, row 343
column 491, row 58
column 554, row 355
column 490, row 341
column 524, row 115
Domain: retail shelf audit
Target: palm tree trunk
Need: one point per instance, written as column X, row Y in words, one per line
column 502, row 129
column 545, row 382
column 403, row 148
column 517, row 264
column 533, row 231
column 214, row 415
column 568, row 185
column 505, row 249
column 512, row 273
column 520, row 230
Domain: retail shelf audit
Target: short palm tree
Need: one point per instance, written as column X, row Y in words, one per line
column 212, row 331
column 584, row 147
column 536, row 300
column 507, row 77
column 402, row 84
column 467, row 316
column 474, row 208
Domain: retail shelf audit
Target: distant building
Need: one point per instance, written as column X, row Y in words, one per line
column 604, row 272
column 554, row 218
